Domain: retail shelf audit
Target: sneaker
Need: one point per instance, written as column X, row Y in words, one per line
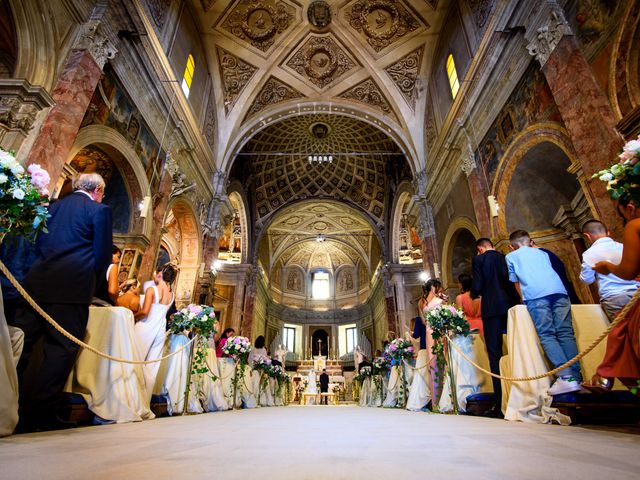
column 564, row 385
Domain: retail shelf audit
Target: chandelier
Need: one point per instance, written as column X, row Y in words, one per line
column 320, row 158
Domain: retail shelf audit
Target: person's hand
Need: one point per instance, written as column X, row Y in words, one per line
column 603, row 268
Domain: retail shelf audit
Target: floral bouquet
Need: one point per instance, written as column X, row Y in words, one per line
column 364, row 373
column 23, row 197
column 380, row 365
column 200, row 319
column 623, row 178
column 262, row 364
column 237, row 348
column 397, row 351
column 445, row 320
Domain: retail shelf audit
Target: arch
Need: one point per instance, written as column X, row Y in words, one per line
column 133, row 169
column 37, row 59
column 521, row 145
column 458, row 225
column 296, row 107
column 190, row 248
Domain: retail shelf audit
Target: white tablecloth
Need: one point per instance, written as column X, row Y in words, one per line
column 469, row 380
column 11, row 340
column 114, row 391
column 529, row 401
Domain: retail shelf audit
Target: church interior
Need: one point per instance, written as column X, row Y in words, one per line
column 307, row 166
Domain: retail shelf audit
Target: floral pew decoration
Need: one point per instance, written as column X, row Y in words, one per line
column 395, row 354
column 283, row 383
column 445, row 322
column 263, row 366
column 24, row 198
column 238, row 348
column 378, row 371
column 199, row 321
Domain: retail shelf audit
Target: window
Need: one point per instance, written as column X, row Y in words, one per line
column 289, row 334
column 320, row 286
column 452, row 73
column 187, row 78
column 351, row 339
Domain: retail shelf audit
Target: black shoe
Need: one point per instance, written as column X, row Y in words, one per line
column 54, row 423
column 495, row 412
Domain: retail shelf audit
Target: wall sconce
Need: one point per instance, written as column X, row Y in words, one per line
column 494, row 208
column 424, row 276
column 144, row 206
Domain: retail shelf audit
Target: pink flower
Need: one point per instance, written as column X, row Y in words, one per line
column 393, row 347
column 452, row 309
column 195, row 309
column 410, row 349
column 624, row 156
column 39, row 177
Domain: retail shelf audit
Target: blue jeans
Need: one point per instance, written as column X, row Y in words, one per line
column 551, row 316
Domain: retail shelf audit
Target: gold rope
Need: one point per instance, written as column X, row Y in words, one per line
column 621, row 316
column 75, row 340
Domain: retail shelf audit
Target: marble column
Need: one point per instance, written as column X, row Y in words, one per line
column 584, row 107
column 160, row 204
column 249, row 304
column 71, row 94
column 478, row 190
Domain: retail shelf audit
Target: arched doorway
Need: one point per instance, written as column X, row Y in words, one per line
column 320, row 342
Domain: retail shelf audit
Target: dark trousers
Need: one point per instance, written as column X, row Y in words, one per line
column 58, row 355
column 494, row 327
column 323, row 400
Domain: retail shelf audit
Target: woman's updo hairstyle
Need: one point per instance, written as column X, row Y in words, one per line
column 169, row 273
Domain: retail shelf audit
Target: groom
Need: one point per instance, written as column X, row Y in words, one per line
column 68, row 260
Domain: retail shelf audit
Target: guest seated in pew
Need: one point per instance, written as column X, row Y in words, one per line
column 108, row 289
column 614, row 291
column 130, row 295
column 470, row 306
column 548, row 303
column 622, row 356
column 228, row 332
column 151, row 322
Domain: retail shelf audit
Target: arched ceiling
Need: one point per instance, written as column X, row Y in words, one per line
column 363, row 160
column 369, row 55
column 291, row 238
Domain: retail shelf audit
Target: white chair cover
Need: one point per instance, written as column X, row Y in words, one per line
column 11, row 340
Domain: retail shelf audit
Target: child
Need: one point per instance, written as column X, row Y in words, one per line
column 548, row 304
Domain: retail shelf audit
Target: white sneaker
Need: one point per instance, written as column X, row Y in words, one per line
column 564, row 385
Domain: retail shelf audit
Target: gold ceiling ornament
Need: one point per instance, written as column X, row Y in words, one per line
column 367, row 92
column 382, row 22
column 273, row 92
column 321, row 60
column 235, row 73
column 259, row 22
column 404, row 74
column 319, row 13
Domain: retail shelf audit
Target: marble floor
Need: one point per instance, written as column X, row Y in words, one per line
column 319, row 442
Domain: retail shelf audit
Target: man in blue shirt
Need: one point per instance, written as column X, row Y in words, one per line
column 614, row 292
column 548, row 304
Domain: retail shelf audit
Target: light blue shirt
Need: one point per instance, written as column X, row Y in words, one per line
column 605, row 249
column 532, row 268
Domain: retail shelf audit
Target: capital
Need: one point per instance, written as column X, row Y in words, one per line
column 548, row 36
column 98, row 45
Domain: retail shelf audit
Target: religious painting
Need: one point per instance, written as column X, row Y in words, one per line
column 530, row 102
column 146, row 148
column 464, row 249
column 593, row 20
column 125, row 264
column 294, row 281
column 230, row 243
column 121, row 110
column 344, row 281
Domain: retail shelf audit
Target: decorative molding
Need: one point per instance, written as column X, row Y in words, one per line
column 404, row 74
column 98, row 45
column 158, row 9
column 179, row 181
column 259, row 23
column 319, row 14
column 468, row 162
column 20, row 103
column 420, row 183
column 432, row 3
column 367, row 92
column 207, row 4
column 548, row 37
column 210, row 127
column 481, row 10
column 391, row 21
column 321, row 60
column 273, row 92
column 235, row 74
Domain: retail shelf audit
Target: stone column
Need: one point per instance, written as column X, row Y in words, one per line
column 249, row 303
column 478, row 191
column 71, row 94
column 389, row 299
column 584, row 107
column 160, row 203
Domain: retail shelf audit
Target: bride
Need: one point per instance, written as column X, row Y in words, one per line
column 422, row 387
column 151, row 323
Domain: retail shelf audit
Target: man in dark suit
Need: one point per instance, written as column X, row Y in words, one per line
column 491, row 282
column 324, row 384
column 62, row 280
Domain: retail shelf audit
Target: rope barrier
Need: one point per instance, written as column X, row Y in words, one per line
column 619, row 318
column 75, row 340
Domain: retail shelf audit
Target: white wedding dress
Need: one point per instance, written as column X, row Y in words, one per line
column 10, row 349
column 150, row 336
column 213, row 392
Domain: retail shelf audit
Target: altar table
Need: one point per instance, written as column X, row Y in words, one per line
column 114, row 391
column 529, row 401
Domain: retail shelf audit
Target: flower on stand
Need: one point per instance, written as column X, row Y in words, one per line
column 398, row 350
column 23, row 197
column 199, row 320
column 380, row 365
column 623, row 178
column 237, row 348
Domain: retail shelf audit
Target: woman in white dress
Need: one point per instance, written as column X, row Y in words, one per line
column 423, row 386
column 151, row 323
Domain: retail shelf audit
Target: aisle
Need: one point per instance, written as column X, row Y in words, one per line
column 319, row 443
